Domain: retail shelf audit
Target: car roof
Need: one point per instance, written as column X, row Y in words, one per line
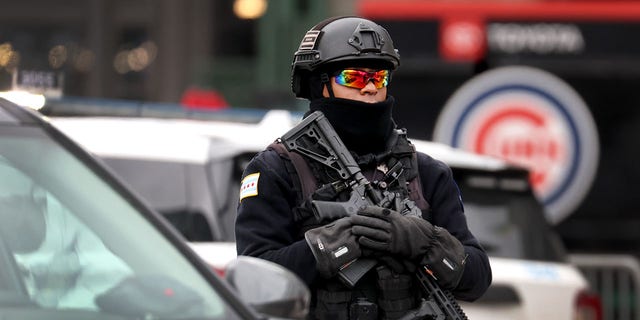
column 459, row 158
column 227, row 132
column 139, row 138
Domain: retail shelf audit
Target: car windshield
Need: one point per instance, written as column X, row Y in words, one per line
column 71, row 247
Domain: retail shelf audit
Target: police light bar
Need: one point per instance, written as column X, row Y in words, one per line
column 24, row 98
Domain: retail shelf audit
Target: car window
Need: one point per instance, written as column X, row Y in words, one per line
column 507, row 219
column 492, row 226
column 198, row 199
column 70, row 244
column 171, row 188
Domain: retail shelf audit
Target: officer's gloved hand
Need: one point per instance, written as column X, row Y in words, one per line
column 333, row 245
column 412, row 238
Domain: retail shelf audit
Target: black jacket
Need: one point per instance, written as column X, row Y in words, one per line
column 265, row 224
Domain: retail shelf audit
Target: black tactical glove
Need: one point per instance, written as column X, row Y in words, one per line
column 333, row 245
column 386, row 230
column 411, row 238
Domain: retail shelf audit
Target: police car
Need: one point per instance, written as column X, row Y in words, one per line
column 531, row 276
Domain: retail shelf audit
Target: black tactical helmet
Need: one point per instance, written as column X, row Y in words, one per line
column 341, row 41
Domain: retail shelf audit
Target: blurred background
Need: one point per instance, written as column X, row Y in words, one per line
column 157, row 50
column 237, row 54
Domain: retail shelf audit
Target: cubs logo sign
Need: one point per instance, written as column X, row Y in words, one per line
column 531, row 118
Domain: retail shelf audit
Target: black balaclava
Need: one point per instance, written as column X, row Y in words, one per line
column 363, row 127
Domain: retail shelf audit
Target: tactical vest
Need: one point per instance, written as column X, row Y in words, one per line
column 391, row 295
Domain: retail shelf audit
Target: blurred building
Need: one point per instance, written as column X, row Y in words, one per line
column 155, row 49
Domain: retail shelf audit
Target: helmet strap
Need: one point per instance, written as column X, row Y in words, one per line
column 325, row 80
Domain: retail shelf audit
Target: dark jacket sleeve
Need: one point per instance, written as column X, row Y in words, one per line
column 447, row 211
column 265, row 226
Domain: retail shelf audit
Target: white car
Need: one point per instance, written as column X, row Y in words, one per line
column 532, row 278
column 76, row 244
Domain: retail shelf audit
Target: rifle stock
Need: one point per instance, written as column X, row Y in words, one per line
column 316, row 139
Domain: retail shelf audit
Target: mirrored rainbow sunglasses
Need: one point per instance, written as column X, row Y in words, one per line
column 359, row 79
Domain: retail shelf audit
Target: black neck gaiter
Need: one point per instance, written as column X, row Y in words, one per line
column 363, row 127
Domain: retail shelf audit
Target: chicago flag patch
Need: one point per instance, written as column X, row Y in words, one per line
column 249, row 187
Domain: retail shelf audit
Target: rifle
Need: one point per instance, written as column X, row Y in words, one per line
column 316, row 139
column 437, row 303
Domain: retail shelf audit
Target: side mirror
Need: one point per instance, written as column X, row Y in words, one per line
column 268, row 287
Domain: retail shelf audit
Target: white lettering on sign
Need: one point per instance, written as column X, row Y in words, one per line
column 48, row 83
column 37, row 79
column 540, row 38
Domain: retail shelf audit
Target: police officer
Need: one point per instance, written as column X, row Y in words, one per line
column 343, row 67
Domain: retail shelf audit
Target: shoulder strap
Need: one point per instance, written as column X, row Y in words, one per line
column 414, row 187
column 306, row 181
